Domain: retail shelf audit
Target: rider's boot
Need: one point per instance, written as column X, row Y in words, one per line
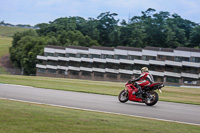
column 133, row 93
column 138, row 92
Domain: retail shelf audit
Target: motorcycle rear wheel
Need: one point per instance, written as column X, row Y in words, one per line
column 152, row 101
column 123, row 96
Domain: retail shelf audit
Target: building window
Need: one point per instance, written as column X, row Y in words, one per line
column 43, row 62
column 59, row 55
column 98, row 74
column 112, row 75
column 125, row 76
column 67, row 63
column 74, row 72
column 180, row 59
column 190, row 70
column 177, row 59
column 53, row 63
column 152, row 67
column 70, row 55
column 169, row 58
column 105, row 56
column 173, row 69
column 172, row 79
column 99, row 65
column 41, row 70
column 75, row 64
column 62, row 63
column 61, row 72
column 48, row 54
column 158, row 79
column 138, row 66
column 189, row 81
column 195, row 59
column 86, row 64
column 161, row 57
column 94, row 56
column 83, row 55
column 87, row 74
column 120, row 57
column 194, row 70
column 52, row 71
column 132, row 57
column 177, row 69
column 148, row 58
column 126, row 66
column 112, row 66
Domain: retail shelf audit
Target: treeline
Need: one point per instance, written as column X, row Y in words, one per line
column 150, row 29
column 2, row 23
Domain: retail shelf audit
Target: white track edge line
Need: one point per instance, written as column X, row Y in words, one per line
column 17, row 85
column 100, row 111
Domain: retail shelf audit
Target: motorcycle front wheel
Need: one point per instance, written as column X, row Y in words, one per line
column 123, row 96
column 152, row 100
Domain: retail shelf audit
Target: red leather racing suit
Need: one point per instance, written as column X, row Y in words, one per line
column 145, row 79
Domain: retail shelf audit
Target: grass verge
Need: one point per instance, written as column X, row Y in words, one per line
column 5, row 43
column 171, row 94
column 10, row 31
column 19, row 117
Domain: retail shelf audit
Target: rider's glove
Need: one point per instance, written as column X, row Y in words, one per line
column 129, row 82
column 132, row 80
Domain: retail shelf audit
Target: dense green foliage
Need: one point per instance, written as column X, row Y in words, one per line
column 153, row 29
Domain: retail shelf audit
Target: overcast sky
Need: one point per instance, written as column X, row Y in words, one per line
column 42, row 11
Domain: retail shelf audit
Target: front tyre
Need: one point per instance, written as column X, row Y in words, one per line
column 152, row 100
column 123, row 96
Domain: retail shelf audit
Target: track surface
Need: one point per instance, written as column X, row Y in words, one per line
column 184, row 113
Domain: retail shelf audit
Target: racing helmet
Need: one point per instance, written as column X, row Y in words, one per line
column 144, row 69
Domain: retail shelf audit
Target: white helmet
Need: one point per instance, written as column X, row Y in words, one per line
column 144, row 69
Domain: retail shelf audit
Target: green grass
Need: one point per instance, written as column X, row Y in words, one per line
column 172, row 94
column 10, row 31
column 5, row 43
column 19, row 117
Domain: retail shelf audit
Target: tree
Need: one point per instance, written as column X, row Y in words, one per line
column 182, row 29
column 151, row 28
column 2, row 22
column 155, row 28
column 195, row 37
column 90, row 28
column 25, row 47
column 184, row 24
column 175, row 35
column 107, row 24
column 133, row 34
column 17, row 37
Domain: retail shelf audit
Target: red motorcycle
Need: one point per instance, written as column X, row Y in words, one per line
column 148, row 96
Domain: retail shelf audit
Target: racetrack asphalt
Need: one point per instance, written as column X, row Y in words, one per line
column 167, row 111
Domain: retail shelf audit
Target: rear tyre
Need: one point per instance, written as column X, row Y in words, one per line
column 123, row 96
column 150, row 101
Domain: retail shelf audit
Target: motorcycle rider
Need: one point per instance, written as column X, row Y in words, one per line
column 145, row 79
